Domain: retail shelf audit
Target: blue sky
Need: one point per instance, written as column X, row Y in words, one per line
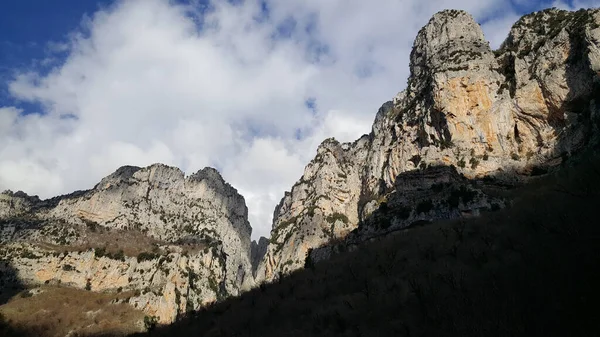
column 28, row 26
column 250, row 87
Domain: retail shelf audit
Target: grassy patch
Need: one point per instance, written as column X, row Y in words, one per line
column 337, row 216
column 112, row 243
column 56, row 311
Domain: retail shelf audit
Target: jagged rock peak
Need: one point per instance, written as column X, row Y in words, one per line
column 551, row 21
column 331, row 141
column 212, row 178
column 257, row 252
column 17, row 194
column 333, row 145
column 451, row 40
column 159, row 174
column 329, row 144
column 209, row 174
column 532, row 31
column 450, row 26
column 20, row 196
column 162, row 175
column 126, row 171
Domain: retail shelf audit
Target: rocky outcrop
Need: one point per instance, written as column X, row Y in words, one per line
column 185, row 241
column 164, row 286
column 419, row 197
column 510, row 113
column 320, row 208
column 257, row 252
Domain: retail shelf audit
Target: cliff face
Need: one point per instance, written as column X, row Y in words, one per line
column 181, row 241
column 507, row 114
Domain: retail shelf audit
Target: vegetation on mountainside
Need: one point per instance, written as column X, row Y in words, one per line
column 106, row 242
column 56, row 311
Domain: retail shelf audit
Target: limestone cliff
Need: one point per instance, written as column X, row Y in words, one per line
column 506, row 115
column 180, row 241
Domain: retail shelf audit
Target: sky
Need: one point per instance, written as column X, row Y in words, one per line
column 250, row 87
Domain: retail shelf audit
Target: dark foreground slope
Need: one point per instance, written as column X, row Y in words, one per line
column 530, row 270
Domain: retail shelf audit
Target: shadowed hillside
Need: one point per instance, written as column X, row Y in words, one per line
column 529, row 270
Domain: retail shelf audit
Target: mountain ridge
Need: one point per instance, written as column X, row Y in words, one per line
column 184, row 239
column 523, row 108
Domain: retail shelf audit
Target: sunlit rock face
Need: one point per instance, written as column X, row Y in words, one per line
column 508, row 113
column 193, row 231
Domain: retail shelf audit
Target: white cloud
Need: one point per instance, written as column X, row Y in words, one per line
column 576, row 4
column 8, row 118
column 142, row 84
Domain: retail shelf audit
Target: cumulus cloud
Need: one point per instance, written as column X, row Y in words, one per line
column 248, row 87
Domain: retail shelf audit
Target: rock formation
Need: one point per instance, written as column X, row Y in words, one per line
column 507, row 114
column 257, row 252
column 184, row 241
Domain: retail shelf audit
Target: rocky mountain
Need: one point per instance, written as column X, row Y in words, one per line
column 472, row 123
column 179, row 242
column 472, row 120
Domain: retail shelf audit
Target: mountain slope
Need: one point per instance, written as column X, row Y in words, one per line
column 178, row 242
column 510, row 114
